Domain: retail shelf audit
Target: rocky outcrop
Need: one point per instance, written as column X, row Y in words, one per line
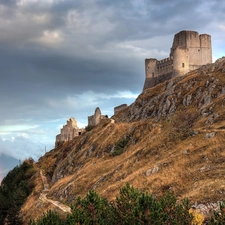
column 197, row 89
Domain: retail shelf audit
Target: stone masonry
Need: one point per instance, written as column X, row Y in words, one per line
column 117, row 109
column 96, row 118
column 189, row 51
column 69, row 131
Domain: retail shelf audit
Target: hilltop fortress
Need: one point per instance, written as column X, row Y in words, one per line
column 189, row 51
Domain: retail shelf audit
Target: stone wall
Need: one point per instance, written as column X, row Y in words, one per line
column 151, row 82
column 188, row 52
column 117, row 109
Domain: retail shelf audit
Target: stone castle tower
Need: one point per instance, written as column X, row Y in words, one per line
column 189, row 51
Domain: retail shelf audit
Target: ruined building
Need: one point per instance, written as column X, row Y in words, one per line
column 189, row 51
column 117, row 109
column 96, row 118
column 69, row 131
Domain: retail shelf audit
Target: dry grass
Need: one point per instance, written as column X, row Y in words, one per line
column 179, row 163
column 189, row 164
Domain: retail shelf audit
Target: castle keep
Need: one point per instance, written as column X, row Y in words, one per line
column 189, row 51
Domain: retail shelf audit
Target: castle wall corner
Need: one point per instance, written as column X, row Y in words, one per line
column 150, row 68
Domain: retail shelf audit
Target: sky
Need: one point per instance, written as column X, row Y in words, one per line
column 63, row 58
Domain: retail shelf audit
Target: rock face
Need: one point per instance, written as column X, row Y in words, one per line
column 198, row 88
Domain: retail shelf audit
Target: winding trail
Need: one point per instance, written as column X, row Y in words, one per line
column 43, row 195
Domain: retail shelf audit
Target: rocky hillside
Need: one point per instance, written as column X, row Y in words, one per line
column 170, row 139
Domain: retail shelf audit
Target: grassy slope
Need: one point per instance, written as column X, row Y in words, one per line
column 160, row 138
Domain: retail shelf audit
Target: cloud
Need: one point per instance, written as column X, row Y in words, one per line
column 13, row 146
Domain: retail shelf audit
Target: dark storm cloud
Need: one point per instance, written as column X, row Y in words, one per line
column 85, row 59
column 31, row 78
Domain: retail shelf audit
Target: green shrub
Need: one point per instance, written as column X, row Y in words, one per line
column 131, row 207
column 49, row 218
column 92, row 209
column 120, row 145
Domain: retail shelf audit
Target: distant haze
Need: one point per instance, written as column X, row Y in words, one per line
column 6, row 163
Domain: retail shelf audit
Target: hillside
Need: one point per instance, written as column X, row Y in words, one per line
column 170, row 139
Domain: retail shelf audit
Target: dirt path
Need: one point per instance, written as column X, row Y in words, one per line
column 43, row 196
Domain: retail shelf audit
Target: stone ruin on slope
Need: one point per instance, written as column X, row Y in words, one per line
column 96, row 118
column 69, row 131
column 119, row 108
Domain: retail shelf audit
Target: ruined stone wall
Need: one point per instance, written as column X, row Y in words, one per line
column 117, row 109
column 96, row 118
column 69, row 131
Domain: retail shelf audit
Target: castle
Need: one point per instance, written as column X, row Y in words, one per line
column 189, row 51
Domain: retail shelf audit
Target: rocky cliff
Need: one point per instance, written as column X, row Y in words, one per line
column 170, row 139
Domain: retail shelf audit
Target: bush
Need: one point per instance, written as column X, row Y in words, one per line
column 134, row 207
column 92, row 209
column 218, row 218
column 50, row 218
column 120, row 145
column 130, row 208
